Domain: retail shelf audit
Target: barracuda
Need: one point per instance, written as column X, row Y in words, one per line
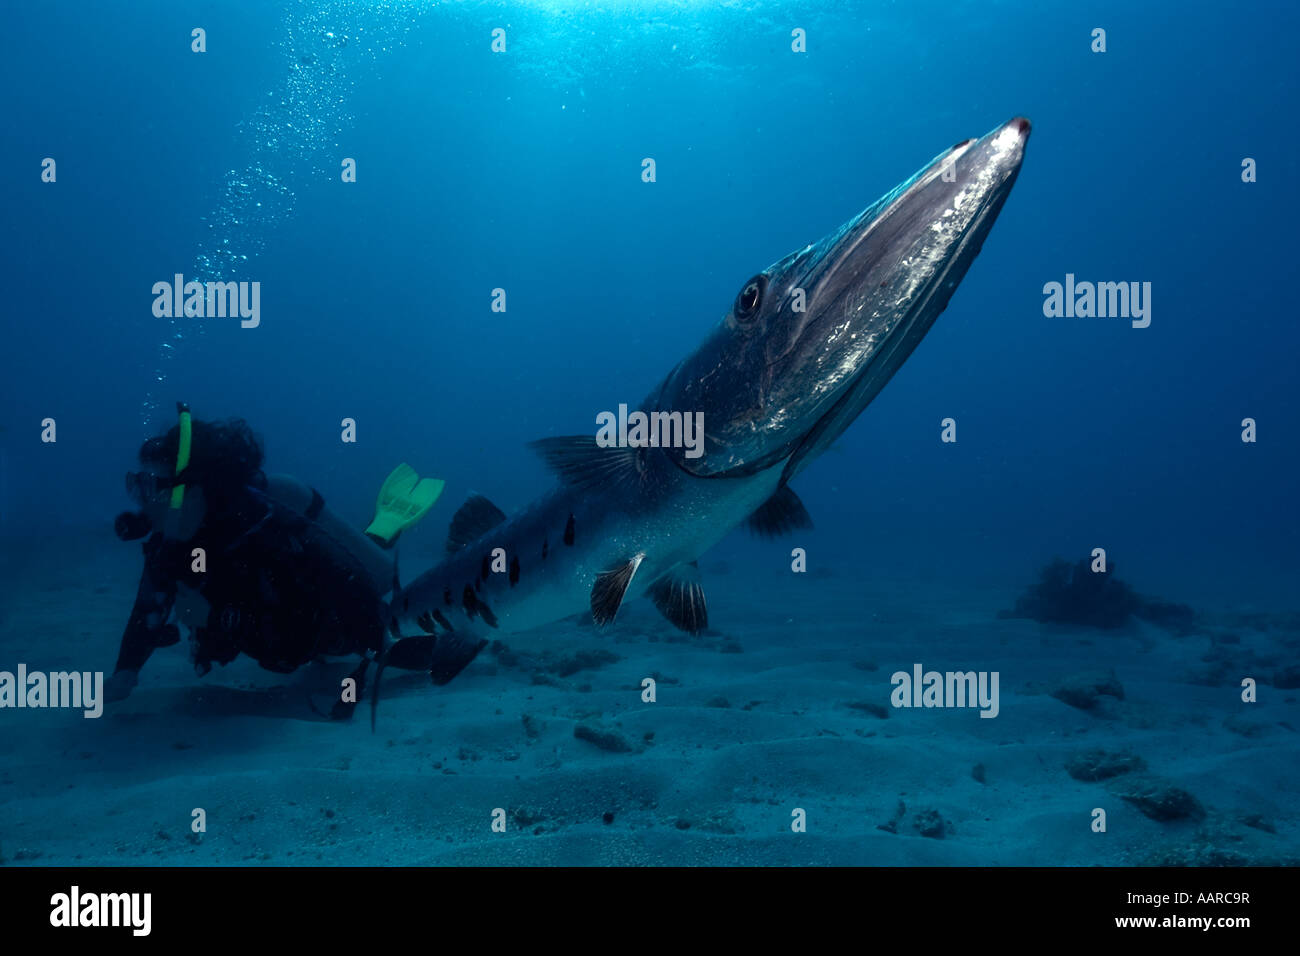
column 805, row 347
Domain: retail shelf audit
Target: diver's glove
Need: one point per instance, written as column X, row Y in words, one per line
column 120, row 685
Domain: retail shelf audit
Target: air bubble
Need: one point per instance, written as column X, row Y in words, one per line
column 289, row 135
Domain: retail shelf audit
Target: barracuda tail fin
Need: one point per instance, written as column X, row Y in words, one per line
column 443, row 655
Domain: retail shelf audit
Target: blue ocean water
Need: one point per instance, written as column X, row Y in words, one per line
column 522, row 170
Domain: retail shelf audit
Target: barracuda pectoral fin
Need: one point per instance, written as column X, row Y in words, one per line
column 780, row 514
column 610, row 587
column 680, row 598
column 579, row 461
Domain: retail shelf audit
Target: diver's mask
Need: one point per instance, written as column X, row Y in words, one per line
column 147, row 487
column 154, row 492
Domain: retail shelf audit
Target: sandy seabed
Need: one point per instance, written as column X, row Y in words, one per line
column 783, row 705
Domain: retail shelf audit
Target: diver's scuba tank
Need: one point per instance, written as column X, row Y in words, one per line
column 297, row 496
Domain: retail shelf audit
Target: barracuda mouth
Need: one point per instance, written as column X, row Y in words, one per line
column 929, row 302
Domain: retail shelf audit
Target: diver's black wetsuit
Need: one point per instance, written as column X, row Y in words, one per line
column 280, row 590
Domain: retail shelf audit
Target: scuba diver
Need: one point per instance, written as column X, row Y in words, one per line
column 257, row 565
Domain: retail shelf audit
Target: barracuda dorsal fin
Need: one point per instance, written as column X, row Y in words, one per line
column 607, row 593
column 680, row 598
column 577, row 460
column 780, row 514
column 475, row 518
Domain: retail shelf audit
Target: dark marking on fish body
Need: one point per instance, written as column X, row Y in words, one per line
column 441, row 619
column 425, row 621
column 473, row 604
column 514, row 570
column 568, row 532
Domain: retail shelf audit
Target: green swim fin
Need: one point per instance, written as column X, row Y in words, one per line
column 404, row 499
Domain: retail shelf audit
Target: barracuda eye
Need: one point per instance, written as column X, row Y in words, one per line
column 750, row 298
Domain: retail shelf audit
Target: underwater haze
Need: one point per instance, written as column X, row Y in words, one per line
column 475, row 225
